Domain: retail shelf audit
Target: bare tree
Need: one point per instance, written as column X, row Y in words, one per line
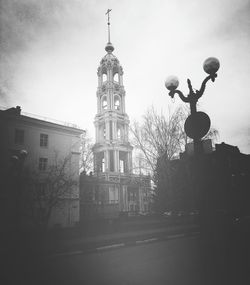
column 48, row 190
column 86, row 153
column 213, row 134
column 160, row 139
column 158, row 135
column 162, row 136
column 140, row 165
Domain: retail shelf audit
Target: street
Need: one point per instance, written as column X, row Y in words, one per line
column 181, row 260
column 168, row 262
column 174, row 256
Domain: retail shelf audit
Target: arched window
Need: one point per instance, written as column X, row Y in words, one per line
column 104, row 74
column 104, row 132
column 121, row 166
column 104, row 77
column 103, row 165
column 104, row 103
column 123, row 161
column 118, row 133
column 117, row 102
column 116, row 77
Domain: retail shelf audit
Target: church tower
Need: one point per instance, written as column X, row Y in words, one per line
column 112, row 150
column 113, row 189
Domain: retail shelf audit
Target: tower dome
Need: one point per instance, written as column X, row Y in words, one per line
column 109, row 47
column 109, row 60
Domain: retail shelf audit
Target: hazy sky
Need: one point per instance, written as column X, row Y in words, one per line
column 50, row 51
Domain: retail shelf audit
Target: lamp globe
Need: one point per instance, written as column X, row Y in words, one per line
column 211, row 65
column 171, row 82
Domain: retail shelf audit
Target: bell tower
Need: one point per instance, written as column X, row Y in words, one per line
column 112, row 150
column 113, row 189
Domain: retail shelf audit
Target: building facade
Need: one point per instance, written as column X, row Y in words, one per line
column 219, row 183
column 113, row 186
column 50, row 148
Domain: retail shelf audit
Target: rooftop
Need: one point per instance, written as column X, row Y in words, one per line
column 17, row 111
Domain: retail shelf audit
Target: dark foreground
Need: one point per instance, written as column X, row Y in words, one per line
column 223, row 258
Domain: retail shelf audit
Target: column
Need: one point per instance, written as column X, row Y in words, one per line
column 96, row 132
column 98, row 103
column 100, row 80
column 129, row 161
column 114, row 160
column 114, row 130
column 125, row 198
column 107, row 129
column 118, row 161
column 106, row 156
column 120, row 197
column 125, row 132
column 123, row 104
column 108, row 75
column 120, row 80
column 109, row 99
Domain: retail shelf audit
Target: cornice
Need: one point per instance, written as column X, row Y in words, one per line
column 112, row 115
column 29, row 121
column 114, row 145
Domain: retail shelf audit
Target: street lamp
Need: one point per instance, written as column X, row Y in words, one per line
column 196, row 126
column 17, row 164
column 198, row 123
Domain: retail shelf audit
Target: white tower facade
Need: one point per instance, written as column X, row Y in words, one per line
column 118, row 189
column 112, row 151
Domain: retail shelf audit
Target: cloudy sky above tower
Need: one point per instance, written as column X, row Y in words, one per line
column 50, row 51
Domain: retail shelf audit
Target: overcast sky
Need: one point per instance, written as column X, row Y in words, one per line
column 50, row 51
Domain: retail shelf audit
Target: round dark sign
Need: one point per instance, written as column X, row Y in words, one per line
column 197, row 125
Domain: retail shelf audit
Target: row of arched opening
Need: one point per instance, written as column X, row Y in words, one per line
column 122, row 162
column 119, row 132
column 115, row 77
column 117, row 102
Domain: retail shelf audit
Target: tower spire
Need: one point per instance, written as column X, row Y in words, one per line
column 109, row 47
column 107, row 13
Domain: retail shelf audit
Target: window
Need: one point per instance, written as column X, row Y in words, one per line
column 41, row 189
column 121, row 166
column 19, row 136
column 43, row 163
column 111, row 160
column 104, row 77
column 104, row 103
column 116, row 77
column 123, row 159
column 103, row 165
column 117, row 103
column 118, row 133
column 44, row 140
column 104, row 132
column 104, row 74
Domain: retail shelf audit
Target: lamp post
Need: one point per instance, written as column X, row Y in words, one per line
column 198, row 123
column 196, row 126
column 17, row 164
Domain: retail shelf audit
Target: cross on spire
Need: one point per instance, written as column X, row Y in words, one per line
column 107, row 13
